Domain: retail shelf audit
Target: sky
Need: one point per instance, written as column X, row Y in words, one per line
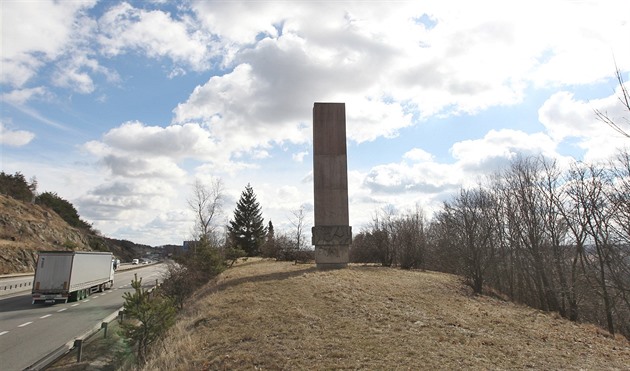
column 119, row 107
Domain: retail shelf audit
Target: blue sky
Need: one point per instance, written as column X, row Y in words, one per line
column 119, row 106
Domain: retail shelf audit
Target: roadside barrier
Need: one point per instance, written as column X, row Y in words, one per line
column 76, row 343
column 6, row 289
column 79, row 341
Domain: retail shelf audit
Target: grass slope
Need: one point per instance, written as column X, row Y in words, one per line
column 280, row 316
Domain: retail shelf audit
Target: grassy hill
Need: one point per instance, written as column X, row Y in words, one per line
column 280, row 316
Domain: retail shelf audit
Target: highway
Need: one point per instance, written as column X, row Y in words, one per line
column 29, row 332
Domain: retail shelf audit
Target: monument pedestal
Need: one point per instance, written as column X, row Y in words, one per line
column 332, row 245
column 332, row 257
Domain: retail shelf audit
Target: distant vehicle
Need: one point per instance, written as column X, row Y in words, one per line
column 62, row 276
column 135, row 261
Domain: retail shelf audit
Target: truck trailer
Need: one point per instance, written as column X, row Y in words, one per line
column 62, row 276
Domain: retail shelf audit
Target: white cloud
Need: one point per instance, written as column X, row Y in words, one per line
column 498, row 147
column 418, row 155
column 379, row 60
column 21, row 96
column 154, row 167
column 420, row 179
column 564, row 117
column 76, row 73
column 15, row 138
column 402, row 178
column 263, row 64
column 35, row 33
column 299, row 157
column 136, row 150
column 125, row 28
column 136, row 207
column 253, row 18
column 175, row 141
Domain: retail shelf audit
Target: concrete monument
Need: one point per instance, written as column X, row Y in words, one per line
column 332, row 234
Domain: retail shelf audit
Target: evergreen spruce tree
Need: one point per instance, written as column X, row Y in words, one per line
column 268, row 249
column 270, row 232
column 246, row 230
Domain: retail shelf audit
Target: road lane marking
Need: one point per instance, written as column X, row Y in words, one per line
column 4, row 332
column 46, row 316
column 86, row 300
column 74, row 305
column 61, row 310
column 25, row 324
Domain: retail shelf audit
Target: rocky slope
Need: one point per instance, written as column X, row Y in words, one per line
column 26, row 228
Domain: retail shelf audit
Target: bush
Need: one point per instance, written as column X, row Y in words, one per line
column 149, row 316
column 193, row 269
column 179, row 284
column 232, row 254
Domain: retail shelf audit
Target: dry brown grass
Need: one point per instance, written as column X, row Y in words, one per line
column 279, row 316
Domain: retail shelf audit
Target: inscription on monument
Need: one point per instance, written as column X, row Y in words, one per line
column 332, row 235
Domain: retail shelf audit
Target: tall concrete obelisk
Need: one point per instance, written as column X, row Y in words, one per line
column 332, row 233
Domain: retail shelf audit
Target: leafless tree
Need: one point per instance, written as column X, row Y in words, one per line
column 409, row 236
column 528, row 225
column 473, row 228
column 555, row 239
column 207, row 202
column 619, row 198
column 566, row 236
column 298, row 222
column 589, row 191
column 380, row 232
column 624, row 99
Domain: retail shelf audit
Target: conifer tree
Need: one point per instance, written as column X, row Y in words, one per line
column 151, row 315
column 246, row 230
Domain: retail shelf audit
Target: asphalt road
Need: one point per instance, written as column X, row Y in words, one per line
column 29, row 332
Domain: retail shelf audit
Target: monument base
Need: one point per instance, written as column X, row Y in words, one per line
column 332, row 256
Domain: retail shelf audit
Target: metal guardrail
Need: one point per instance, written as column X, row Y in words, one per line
column 56, row 354
column 78, row 342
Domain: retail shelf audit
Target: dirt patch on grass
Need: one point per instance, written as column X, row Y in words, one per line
column 281, row 316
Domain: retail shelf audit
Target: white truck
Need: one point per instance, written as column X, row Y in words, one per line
column 62, row 276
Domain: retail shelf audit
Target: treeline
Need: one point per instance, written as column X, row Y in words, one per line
column 555, row 239
column 16, row 186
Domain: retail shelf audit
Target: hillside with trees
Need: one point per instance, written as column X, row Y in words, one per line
column 557, row 239
column 30, row 223
column 263, row 314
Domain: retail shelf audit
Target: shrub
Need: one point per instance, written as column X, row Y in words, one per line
column 149, row 316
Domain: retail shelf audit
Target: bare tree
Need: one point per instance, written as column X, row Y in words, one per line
column 409, row 236
column 529, row 227
column 380, row 230
column 566, row 235
column 557, row 232
column 619, row 267
column 589, row 191
column 298, row 223
column 473, row 227
column 206, row 202
column 624, row 99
